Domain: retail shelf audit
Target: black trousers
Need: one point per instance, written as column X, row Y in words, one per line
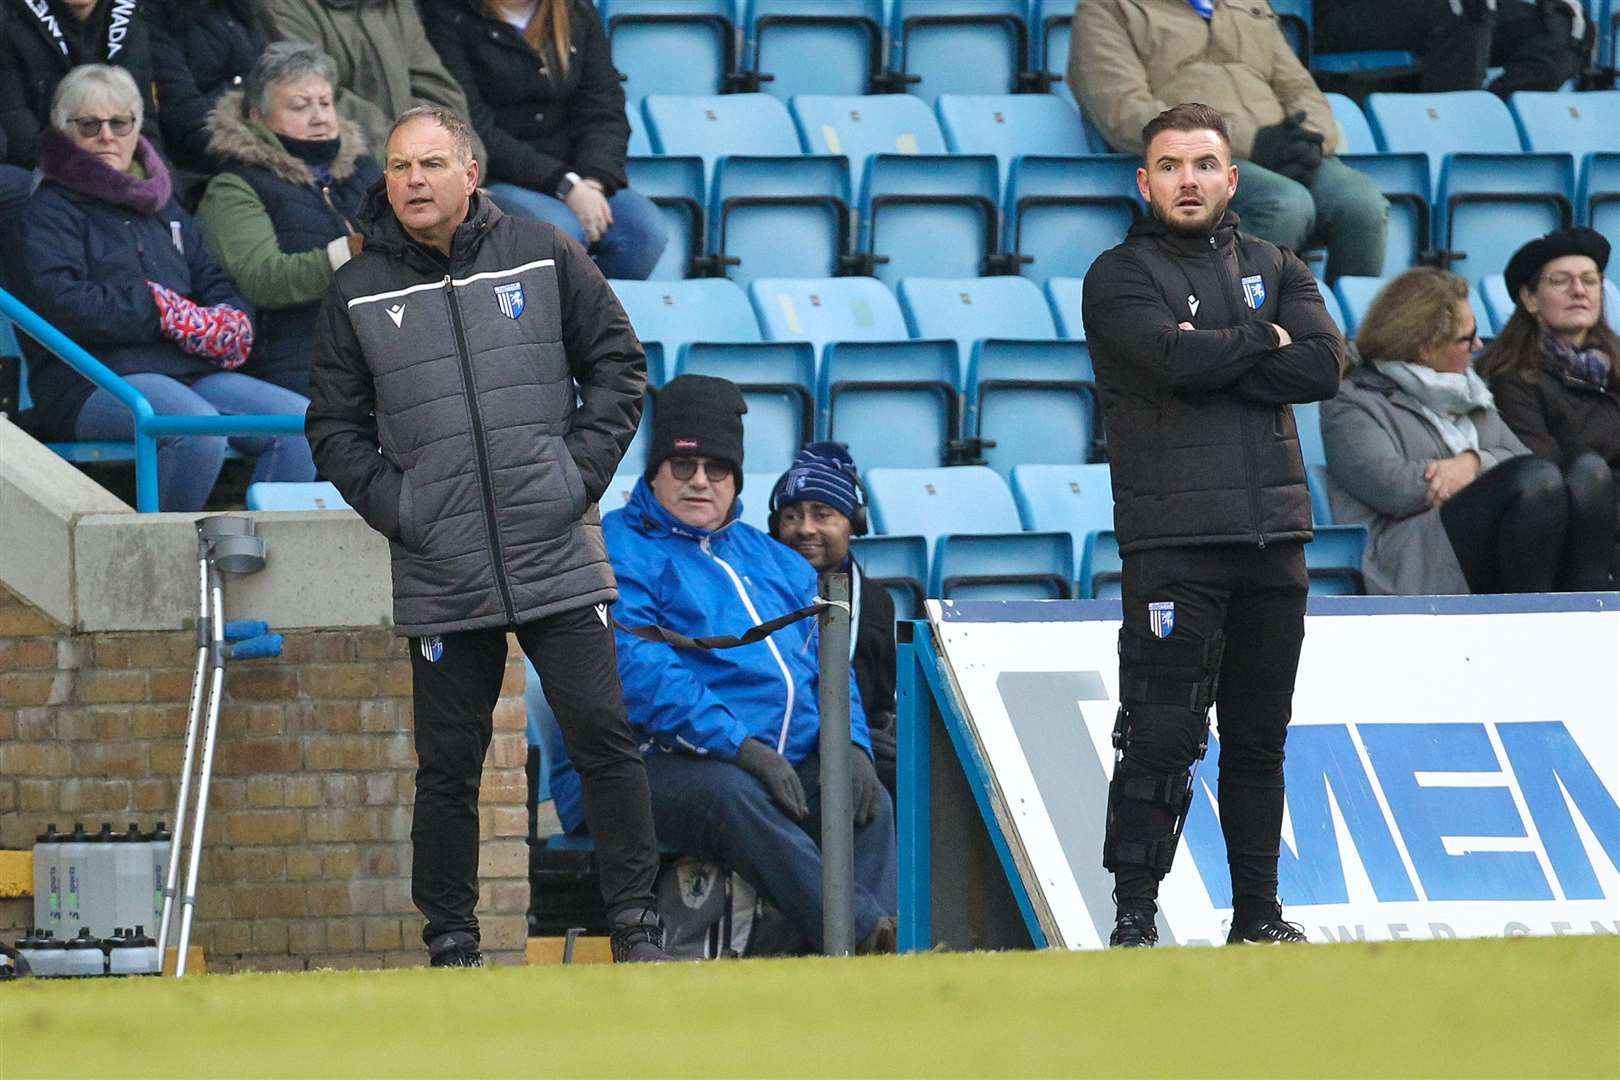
column 1256, row 597
column 455, row 688
column 1455, row 48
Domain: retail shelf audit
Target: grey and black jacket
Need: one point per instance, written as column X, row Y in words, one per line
column 444, row 408
column 1200, row 432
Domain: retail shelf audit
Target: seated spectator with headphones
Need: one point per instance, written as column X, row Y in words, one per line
column 816, row 507
column 731, row 735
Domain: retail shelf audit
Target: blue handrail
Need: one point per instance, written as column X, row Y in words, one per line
column 149, row 426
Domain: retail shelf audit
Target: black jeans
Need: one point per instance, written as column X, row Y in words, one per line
column 1257, row 597
column 1529, row 525
column 1455, row 48
column 455, row 695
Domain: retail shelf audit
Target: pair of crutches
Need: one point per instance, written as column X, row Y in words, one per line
column 227, row 545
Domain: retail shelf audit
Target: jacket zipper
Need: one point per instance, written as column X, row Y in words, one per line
column 748, row 606
column 1243, row 436
column 480, row 451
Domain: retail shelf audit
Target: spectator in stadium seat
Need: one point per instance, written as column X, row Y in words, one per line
column 111, row 259
column 557, row 139
column 1417, row 452
column 1129, row 60
column 731, row 735
column 1537, row 43
column 816, row 507
column 385, row 64
column 1552, row 368
column 201, row 49
column 44, row 40
column 281, row 215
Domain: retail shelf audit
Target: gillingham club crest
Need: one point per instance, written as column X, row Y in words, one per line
column 1162, row 618
column 1254, row 291
column 510, row 298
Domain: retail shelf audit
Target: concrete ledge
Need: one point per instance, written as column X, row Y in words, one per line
column 16, row 874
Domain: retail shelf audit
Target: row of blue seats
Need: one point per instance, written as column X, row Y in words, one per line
column 1019, row 183
column 1490, row 300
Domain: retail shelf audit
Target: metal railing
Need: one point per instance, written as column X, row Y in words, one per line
column 149, row 426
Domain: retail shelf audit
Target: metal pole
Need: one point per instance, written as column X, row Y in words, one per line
column 171, row 876
column 216, row 690
column 837, row 819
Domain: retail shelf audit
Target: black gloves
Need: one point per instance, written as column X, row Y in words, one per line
column 864, row 787
column 1289, row 148
column 773, row 770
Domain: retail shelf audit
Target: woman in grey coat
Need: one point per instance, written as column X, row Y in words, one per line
column 1416, row 451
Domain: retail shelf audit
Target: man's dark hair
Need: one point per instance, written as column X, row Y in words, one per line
column 1188, row 116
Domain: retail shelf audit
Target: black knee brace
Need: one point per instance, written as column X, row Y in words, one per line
column 1160, row 733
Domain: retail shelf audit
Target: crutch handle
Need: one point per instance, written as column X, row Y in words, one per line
column 256, row 647
column 242, row 629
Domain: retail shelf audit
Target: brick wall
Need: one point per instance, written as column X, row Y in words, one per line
column 306, row 861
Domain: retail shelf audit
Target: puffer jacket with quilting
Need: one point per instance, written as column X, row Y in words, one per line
column 443, row 407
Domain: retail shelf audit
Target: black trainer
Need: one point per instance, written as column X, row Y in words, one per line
column 1134, row 930
column 455, row 949
column 637, row 937
column 1266, row 928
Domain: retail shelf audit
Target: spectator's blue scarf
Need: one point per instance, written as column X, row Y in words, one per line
column 1589, row 366
column 1206, row 8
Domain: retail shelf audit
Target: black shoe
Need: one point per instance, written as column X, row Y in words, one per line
column 637, row 937
column 1266, row 928
column 883, row 939
column 1134, row 930
column 455, row 949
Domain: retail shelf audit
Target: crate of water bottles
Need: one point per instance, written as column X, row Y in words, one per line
column 95, row 895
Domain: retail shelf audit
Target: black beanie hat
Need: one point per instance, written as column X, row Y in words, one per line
column 1527, row 262
column 698, row 416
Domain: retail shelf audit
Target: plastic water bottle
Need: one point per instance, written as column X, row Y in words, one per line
column 132, row 876
column 45, row 955
column 146, row 958
column 84, row 955
column 126, row 953
column 98, row 891
column 48, row 880
column 162, row 840
column 75, row 851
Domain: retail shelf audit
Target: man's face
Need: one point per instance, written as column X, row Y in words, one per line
column 815, row 530
column 698, row 491
column 1188, row 180
column 429, row 187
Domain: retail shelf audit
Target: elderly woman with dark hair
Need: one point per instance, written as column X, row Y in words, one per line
column 281, row 215
column 1552, row 368
column 1417, row 452
column 110, row 258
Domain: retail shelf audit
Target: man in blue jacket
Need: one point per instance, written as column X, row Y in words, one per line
column 731, row 735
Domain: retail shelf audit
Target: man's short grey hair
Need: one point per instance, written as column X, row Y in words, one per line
column 89, row 81
column 281, row 61
column 460, row 133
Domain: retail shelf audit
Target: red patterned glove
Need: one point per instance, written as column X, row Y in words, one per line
column 220, row 334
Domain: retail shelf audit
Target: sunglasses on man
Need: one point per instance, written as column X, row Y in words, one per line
column 684, row 468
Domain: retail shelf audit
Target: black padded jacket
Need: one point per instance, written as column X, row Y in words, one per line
column 443, row 406
column 1200, row 433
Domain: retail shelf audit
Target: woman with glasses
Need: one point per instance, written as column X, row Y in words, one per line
column 112, row 261
column 1552, row 368
column 1417, row 452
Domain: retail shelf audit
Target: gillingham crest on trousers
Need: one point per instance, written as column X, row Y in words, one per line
column 1254, row 291
column 510, row 298
column 1162, row 618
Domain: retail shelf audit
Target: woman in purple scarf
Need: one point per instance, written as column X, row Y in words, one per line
column 1553, row 367
column 109, row 257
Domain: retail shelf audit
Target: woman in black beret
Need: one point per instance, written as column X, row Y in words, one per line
column 1552, row 368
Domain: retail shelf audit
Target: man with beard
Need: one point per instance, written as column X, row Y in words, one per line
column 1202, row 337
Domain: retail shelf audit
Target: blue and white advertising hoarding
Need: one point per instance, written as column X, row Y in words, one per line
column 1453, row 767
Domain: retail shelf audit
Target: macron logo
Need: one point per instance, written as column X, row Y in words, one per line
column 397, row 313
column 1192, row 304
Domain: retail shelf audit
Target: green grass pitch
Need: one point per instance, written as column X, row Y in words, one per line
column 1530, row 1007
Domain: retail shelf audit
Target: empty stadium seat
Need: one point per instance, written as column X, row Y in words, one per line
column 961, row 47
column 1498, row 304
column 676, row 185
column 1051, row 23
column 1331, row 302
column 775, row 378
column 645, row 35
column 315, row 495
column 894, row 403
column 670, row 313
column 1008, row 566
column 1102, row 567
column 972, row 309
column 1062, row 212
column 1317, row 479
column 900, row 564
column 933, row 502
column 1008, row 125
column 815, row 46
column 1076, row 499
column 1357, row 136
column 1308, row 426
column 1585, row 126
column 618, row 492
column 819, row 310
column 756, row 504
column 1066, row 295
column 780, row 216
column 1355, row 296
column 711, row 127
column 1333, row 560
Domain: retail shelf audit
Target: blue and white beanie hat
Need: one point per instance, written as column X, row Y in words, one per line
column 823, row 472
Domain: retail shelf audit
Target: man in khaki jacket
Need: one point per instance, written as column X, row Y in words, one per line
column 1129, row 60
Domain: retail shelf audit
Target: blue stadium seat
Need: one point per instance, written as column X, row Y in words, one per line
column 1585, row 126
column 1008, row 566
column 900, row 564
column 1333, row 560
column 1308, row 426
column 1008, row 125
column 1294, row 16
column 618, row 492
column 1331, row 302
column 1355, row 297
column 1403, row 179
column 1498, row 304
column 1611, row 303
column 922, row 211
column 780, row 216
column 676, row 185
column 1357, row 135
column 775, row 378
column 961, row 47
column 315, row 495
column 819, row 310
column 1101, row 568
column 714, row 126
column 1051, row 23
column 1062, row 212
column 934, row 502
column 896, row 404
column 645, row 34
column 815, row 46
column 1298, row 26
column 756, row 502
column 635, row 455
column 1076, row 499
column 972, row 309
column 1599, row 195
column 1065, row 295
column 1316, row 478
column 667, row 314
